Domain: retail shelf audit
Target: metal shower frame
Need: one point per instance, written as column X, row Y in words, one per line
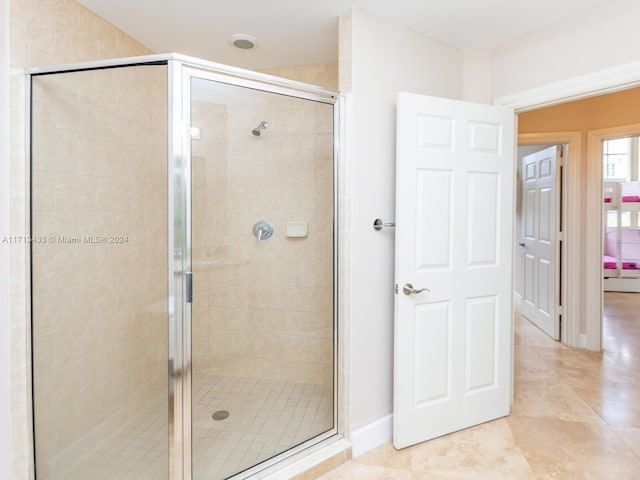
column 180, row 70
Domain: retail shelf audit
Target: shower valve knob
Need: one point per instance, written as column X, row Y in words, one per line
column 262, row 230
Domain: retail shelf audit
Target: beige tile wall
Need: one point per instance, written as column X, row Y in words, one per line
column 322, row 75
column 45, row 32
column 42, row 32
column 263, row 310
column 99, row 309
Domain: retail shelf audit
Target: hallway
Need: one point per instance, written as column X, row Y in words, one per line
column 576, row 416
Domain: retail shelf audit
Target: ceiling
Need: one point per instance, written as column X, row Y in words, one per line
column 299, row 32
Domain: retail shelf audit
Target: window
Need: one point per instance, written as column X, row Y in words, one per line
column 612, row 219
column 620, row 164
column 617, row 159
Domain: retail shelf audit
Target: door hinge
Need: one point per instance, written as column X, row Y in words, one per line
column 189, row 287
column 559, row 310
column 395, row 288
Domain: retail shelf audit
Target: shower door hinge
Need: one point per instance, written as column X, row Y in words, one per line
column 189, row 287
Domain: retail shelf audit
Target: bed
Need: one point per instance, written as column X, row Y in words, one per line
column 621, row 195
column 610, row 194
column 621, row 245
column 630, row 195
column 611, row 263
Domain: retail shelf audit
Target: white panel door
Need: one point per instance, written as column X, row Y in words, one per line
column 539, row 240
column 454, row 220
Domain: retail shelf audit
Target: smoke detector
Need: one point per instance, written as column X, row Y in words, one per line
column 243, row 41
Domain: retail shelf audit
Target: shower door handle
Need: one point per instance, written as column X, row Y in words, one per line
column 189, row 287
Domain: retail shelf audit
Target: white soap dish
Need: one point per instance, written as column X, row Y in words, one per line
column 296, row 229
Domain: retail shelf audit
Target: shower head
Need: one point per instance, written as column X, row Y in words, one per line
column 258, row 130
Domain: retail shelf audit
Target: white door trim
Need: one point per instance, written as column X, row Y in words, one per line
column 594, row 248
column 571, row 257
column 600, row 82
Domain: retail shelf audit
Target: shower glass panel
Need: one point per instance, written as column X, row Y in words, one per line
column 262, row 169
column 183, row 280
column 99, row 273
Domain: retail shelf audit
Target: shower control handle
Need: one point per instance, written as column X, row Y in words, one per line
column 262, row 230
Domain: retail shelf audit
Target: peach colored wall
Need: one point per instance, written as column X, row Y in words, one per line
column 594, row 113
column 41, row 33
column 263, row 310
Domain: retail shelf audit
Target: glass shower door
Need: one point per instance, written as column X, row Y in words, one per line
column 263, row 342
column 99, row 273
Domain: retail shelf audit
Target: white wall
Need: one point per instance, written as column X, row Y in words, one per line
column 476, row 86
column 5, row 395
column 605, row 37
column 378, row 59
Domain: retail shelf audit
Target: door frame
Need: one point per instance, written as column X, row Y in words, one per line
column 595, row 226
column 570, row 263
column 599, row 82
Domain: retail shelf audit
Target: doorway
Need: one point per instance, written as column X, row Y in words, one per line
column 584, row 194
column 567, row 294
column 539, row 230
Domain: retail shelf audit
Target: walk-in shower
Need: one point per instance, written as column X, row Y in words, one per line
column 167, row 342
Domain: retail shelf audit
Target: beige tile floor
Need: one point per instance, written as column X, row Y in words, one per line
column 576, row 416
column 266, row 417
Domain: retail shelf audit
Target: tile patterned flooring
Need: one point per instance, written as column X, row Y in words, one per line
column 266, row 417
column 576, row 416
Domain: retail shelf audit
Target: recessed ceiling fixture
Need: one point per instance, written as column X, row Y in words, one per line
column 243, row 41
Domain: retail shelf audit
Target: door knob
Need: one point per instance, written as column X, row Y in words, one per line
column 409, row 290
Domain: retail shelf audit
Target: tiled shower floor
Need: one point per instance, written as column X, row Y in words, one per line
column 266, row 417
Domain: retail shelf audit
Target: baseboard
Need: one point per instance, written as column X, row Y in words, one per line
column 621, row 284
column 582, row 340
column 372, row 435
column 517, row 297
